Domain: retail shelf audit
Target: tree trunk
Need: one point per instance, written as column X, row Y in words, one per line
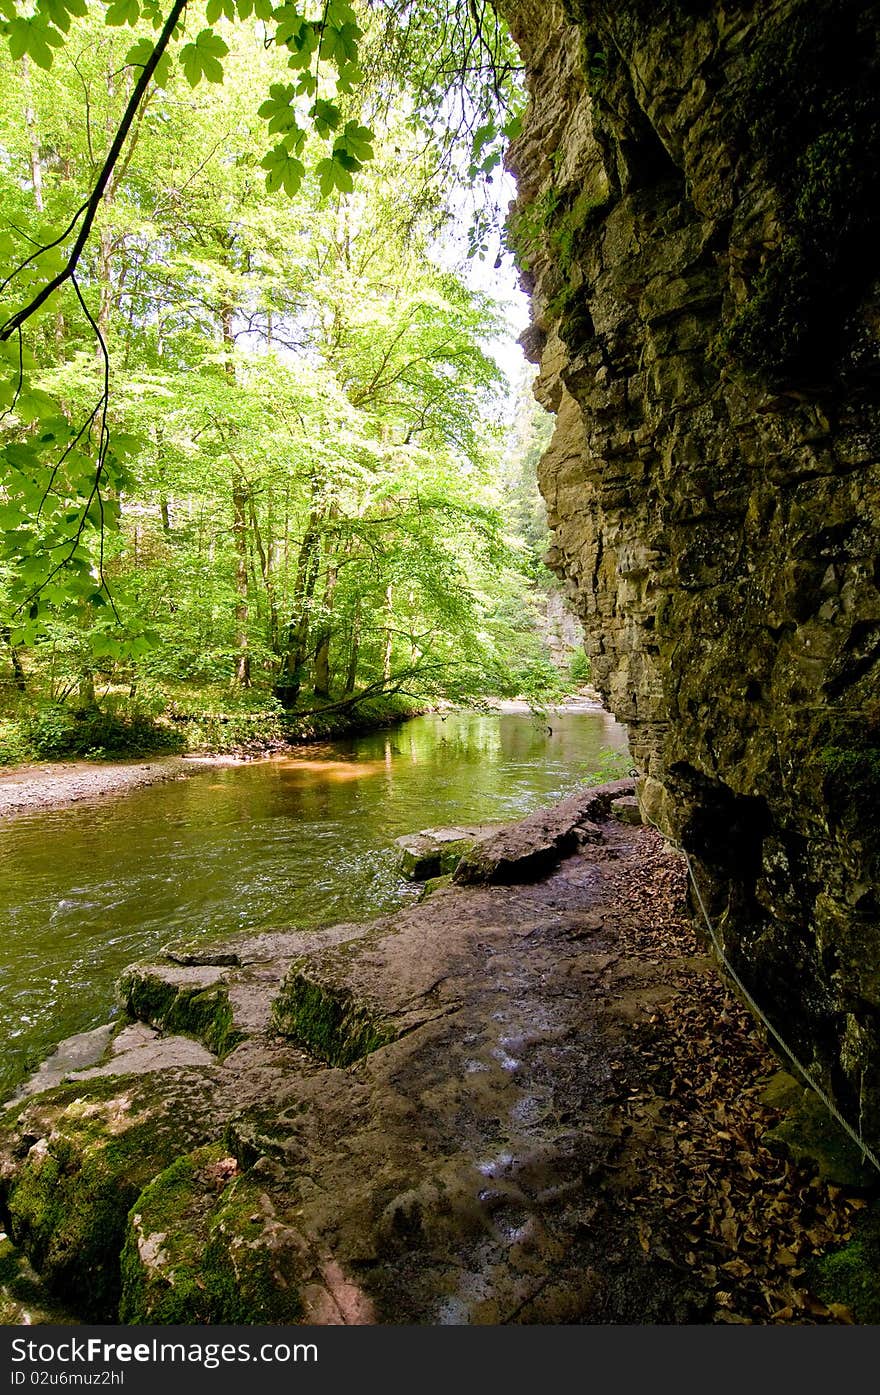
column 240, row 496
column 30, row 121
column 354, row 647
column 322, row 651
column 298, row 630
column 386, row 661
column 17, row 669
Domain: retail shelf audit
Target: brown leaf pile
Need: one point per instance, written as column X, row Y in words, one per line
column 744, row 1222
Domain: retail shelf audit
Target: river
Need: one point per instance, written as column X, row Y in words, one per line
column 303, row 840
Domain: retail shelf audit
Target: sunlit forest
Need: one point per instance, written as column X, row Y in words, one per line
column 254, row 451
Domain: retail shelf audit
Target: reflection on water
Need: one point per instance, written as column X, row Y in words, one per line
column 302, row 840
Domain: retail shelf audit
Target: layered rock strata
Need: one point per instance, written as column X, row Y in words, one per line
column 696, row 219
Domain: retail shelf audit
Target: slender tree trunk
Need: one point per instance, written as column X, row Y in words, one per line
column 17, row 669
column 264, row 555
column 322, row 651
column 386, row 661
column 86, row 689
column 240, row 503
column 30, row 121
column 354, row 647
column 298, row 630
column 240, row 495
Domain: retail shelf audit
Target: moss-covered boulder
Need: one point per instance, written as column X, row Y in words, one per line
column 72, row 1163
column 809, row 1135
column 24, row 1300
column 435, row 884
column 320, row 1013
column 204, row 1246
column 436, row 852
column 192, row 1001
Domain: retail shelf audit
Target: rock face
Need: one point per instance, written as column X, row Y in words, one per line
column 696, row 215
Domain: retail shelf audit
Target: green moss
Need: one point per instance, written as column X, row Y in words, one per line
column 435, row 884
column 203, row 1013
column 851, row 1275
column 327, row 1020
column 23, row 1298
column 200, row 1250
column 852, row 773
column 810, row 1136
column 66, row 1208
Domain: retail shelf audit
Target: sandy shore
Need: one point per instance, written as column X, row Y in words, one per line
column 30, row 788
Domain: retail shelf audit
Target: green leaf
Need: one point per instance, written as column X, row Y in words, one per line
column 326, row 116
column 34, row 38
column 339, row 43
column 513, row 128
column 58, row 12
column 216, row 8
column 202, row 57
column 36, row 405
column 357, row 141
column 127, row 445
column 138, row 56
column 348, row 77
column 123, row 12
column 297, row 34
column 333, row 175
column 284, row 170
column 278, row 109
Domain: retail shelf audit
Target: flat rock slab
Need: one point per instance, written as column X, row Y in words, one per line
column 435, row 852
column 626, row 808
column 406, row 1126
column 74, row 1054
column 530, row 849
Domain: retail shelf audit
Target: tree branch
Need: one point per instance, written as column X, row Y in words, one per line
column 90, row 208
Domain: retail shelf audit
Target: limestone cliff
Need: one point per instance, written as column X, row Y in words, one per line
column 696, row 221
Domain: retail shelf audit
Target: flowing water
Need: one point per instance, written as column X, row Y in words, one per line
column 302, row 840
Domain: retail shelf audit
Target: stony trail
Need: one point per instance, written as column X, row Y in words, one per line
column 460, row 1114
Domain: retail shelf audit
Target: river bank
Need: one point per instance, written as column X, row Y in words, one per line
column 527, row 1099
column 33, row 786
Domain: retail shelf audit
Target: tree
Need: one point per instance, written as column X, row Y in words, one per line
column 288, row 421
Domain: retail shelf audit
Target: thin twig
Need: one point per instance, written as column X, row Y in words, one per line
column 90, row 208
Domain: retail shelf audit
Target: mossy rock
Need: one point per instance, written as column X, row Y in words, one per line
column 424, row 857
column 67, row 1201
column 23, row 1297
column 203, row 1248
column 851, row 1275
column 782, row 1091
column 810, row 1136
column 167, row 1001
column 327, row 1019
column 435, row 884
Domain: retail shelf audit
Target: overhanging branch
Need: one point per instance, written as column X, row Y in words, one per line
column 90, row 208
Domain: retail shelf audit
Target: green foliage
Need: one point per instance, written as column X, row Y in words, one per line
column 55, row 730
column 852, row 772
column 293, row 480
column 201, row 58
column 579, row 668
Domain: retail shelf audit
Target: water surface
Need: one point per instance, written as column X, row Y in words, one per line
column 304, row 840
